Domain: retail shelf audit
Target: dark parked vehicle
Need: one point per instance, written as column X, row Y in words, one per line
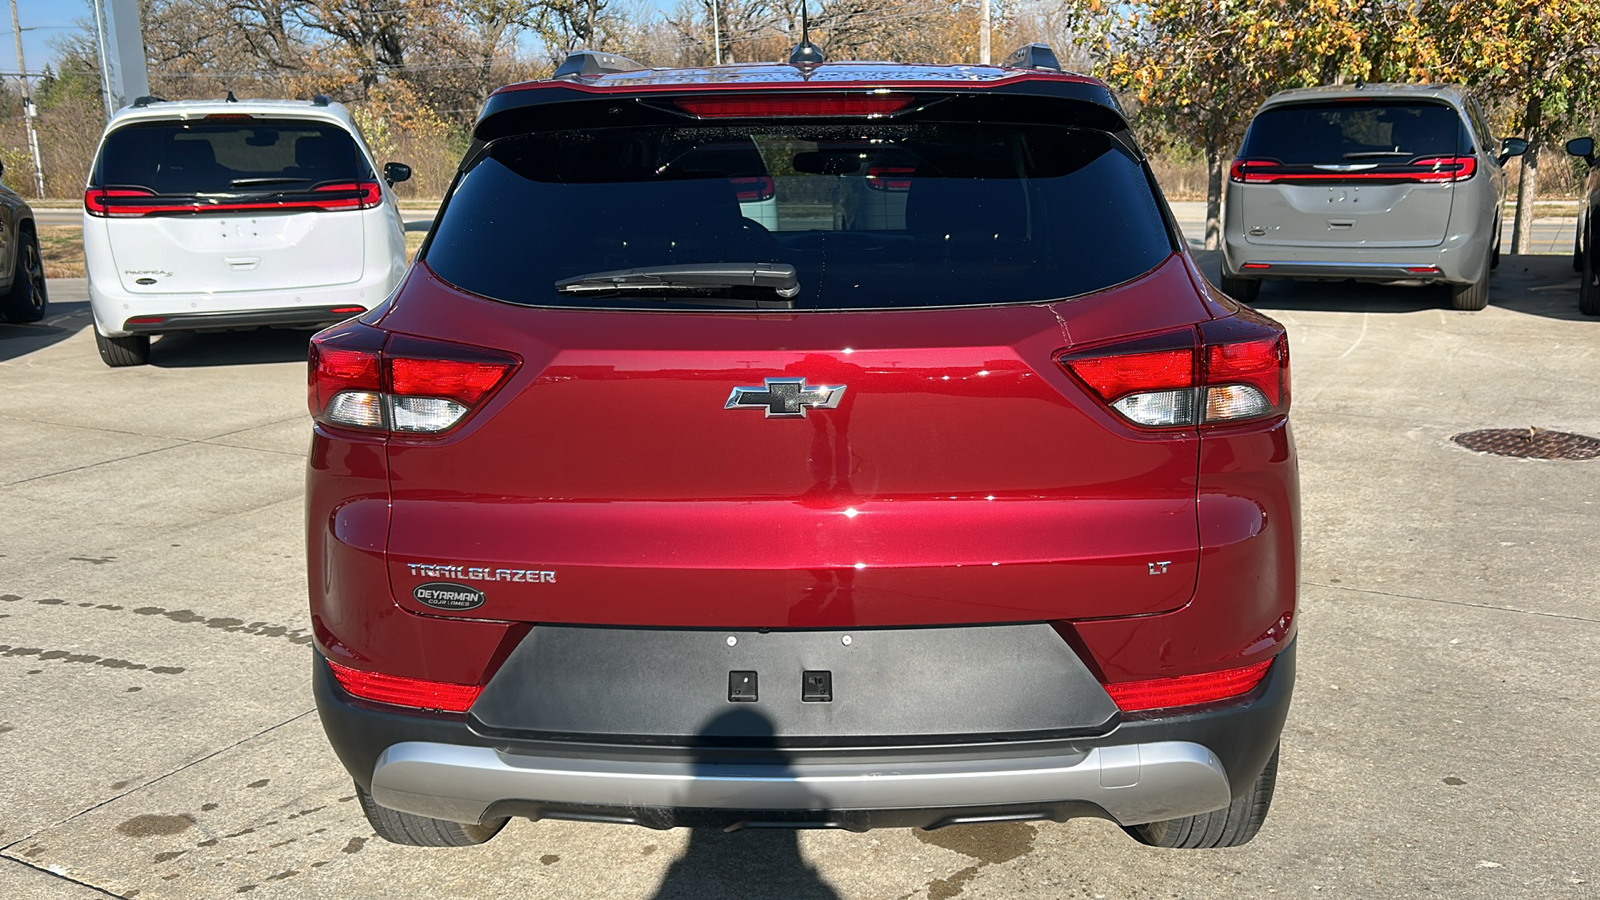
column 1585, row 249
column 815, row 445
column 23, row 294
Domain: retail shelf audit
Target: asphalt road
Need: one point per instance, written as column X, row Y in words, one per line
column 157, row 736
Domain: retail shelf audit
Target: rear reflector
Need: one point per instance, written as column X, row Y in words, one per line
column 1423, row 270
column 411, row 692
column 1187, row 690
column 1257, row 266
column 849, row 105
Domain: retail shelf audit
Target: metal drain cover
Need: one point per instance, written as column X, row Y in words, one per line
column 1530, row 443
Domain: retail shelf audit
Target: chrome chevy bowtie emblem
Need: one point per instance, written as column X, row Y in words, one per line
column 786, row 397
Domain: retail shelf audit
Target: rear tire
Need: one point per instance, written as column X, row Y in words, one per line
column 1231, row 826
column 1589, row 283
column 28, row 297
column 413, row 830
column 116, row 352
column 1474, row 296
column 1244, row 290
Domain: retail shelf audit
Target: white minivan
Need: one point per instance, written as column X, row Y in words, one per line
column 208, row 215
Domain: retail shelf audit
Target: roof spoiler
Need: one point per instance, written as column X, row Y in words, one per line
column 1033, row 56
column 593, row 62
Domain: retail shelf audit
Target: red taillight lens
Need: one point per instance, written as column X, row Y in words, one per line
column 890, row 178
column 411, row 692
column 131, row 203
column 1240, row 373
column 1432, row 170
column 362, row 377
column 754, row 189
column 1187, row 690
column 758, row 107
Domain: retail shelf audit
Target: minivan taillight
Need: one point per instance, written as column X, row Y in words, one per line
column 366, row 379
column 133, row 203
column 1221, row 372
column 1431, row 170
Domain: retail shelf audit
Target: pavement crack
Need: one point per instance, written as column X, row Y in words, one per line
column 54, row 874
column 103, row 462
column 1489, row 606
column 156, row 780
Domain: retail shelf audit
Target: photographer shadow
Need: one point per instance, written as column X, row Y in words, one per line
column 753, row 860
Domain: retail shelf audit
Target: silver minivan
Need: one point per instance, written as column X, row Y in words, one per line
column 1398, row 183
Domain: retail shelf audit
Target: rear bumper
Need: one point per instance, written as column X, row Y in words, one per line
column 1143, row 768
column 308, row 307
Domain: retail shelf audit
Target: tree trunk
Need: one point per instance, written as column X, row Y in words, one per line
column 1213, row 191
column 1528, row 183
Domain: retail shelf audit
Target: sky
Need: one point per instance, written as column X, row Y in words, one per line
column 47, row 19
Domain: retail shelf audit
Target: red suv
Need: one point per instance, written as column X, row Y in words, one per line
column 821, row 445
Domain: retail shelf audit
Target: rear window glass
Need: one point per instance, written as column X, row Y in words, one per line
column 1337, row 133
column 212, row 157
column 868, row 215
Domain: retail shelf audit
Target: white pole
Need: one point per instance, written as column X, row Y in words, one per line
column 28, row 112
column 983, row 34
column 716, row 29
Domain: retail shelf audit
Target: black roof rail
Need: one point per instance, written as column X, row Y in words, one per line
column 142, row 102
column 1033, row 56
column 321, row 99
column 593, row 62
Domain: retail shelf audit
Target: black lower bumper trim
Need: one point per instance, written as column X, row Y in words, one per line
column 292, row 317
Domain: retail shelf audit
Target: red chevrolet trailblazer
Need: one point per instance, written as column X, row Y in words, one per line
column 817, row 445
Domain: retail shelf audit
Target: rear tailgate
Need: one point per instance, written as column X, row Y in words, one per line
column 1352, row 172
column 962, row 476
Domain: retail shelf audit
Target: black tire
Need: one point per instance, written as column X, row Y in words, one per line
column 1474, row 296
column 116, row 352
column 1589, row 283
column 29, row 297
column 413, row 830
column 1244, row 290
column 1229, row 827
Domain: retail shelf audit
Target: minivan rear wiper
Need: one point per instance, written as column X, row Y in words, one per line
column 1369, row 153
column 779, row 278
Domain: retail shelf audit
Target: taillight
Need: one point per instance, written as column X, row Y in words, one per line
column 754, row 189
column 791, row 106
column 400, row 691
column 363, row 378
column 132, row 203
column 1226, row 371
column 890, row 178
column 1431, row 170
column 1187, row 690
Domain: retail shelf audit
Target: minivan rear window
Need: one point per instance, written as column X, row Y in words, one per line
column 1354, row 131
column 868, row 215
column 228, row 155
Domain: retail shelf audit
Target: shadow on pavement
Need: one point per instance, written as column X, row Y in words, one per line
column 748, row 864
column 230, row 348
column 62, row 320
column 1533, row 285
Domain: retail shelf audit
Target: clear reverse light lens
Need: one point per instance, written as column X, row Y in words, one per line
column 1157, row 408
column 425, row 414
column 358, row 409
column 1235, row 401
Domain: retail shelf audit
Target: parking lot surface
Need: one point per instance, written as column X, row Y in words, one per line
column 158, row 740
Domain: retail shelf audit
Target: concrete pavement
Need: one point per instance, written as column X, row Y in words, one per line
column 157, row 737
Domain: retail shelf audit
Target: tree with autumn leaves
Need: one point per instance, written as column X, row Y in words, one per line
column 1200, row 68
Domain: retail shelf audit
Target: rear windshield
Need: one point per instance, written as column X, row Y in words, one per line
column 220, row 157
column 1339, row 132
column 867, row 215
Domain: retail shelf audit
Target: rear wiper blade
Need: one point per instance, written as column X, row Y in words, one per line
column 1370, row 153
column 778, row 277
